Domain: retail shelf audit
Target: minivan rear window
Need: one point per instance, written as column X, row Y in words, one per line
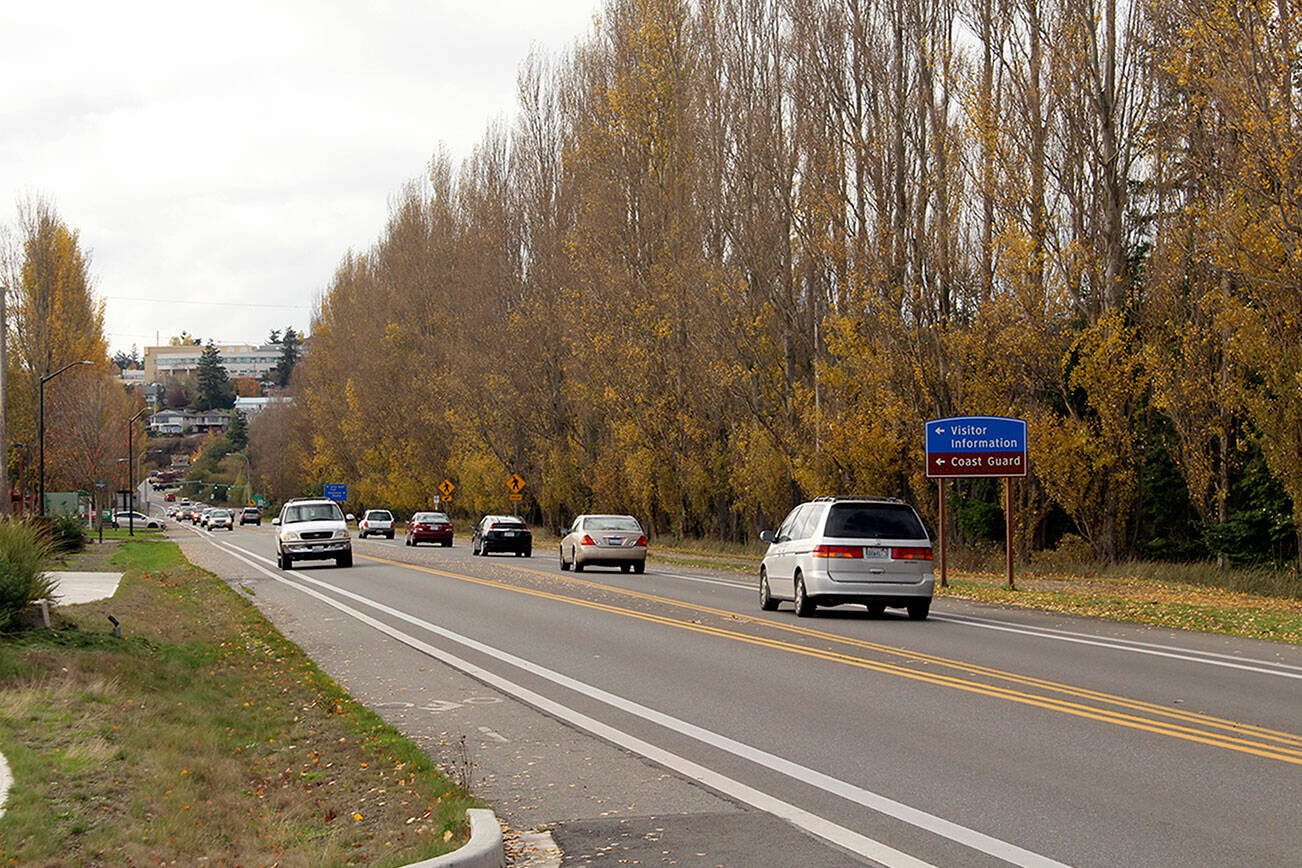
column 873, row 521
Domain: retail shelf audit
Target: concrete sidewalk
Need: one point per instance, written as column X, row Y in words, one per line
column 77, row 587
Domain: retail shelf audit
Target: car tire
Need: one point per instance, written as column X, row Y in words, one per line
column 407, row 541
column 805, row 604
column 639, row 567
column 390, row 535
column 448, row 544
column 344, row 560
column 768, row 602
column 565, row 565
column 528, row 553
column 286, row 562
column 876, row 608
column 578, row 564
column 918, row 611
column 624, row 568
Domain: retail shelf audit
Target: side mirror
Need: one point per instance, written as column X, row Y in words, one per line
column 767, row 536
column 563, row 531
column 276, row 520
column 349, row 517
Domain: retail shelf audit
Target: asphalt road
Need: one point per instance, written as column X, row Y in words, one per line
column 664, row 719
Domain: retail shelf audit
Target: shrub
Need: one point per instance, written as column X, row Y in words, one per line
column 68, row 533
column 25, row 550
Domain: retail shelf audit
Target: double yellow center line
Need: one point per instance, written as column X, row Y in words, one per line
column 1054, row 696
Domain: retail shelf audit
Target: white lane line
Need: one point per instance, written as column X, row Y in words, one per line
column 812, row 823
column 1132, row 646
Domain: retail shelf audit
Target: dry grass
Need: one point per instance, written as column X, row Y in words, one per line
column 203, row 735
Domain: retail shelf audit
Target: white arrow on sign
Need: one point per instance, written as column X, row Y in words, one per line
column 940, row 460
column 939, row 430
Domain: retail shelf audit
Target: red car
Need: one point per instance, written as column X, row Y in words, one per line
column 429, row 527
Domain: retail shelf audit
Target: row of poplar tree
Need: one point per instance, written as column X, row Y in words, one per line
column 731, row 253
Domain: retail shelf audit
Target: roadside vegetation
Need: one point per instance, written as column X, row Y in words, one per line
column 201, row 734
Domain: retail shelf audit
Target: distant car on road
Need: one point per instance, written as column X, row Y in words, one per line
column 220, row 518
column 604, row 540
column 251, row 515
column 835, row 550
column 376, row 521
column 502, row 533
column 429, row 527
column 126, row 519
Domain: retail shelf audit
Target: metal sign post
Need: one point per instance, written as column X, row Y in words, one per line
column 969, row 447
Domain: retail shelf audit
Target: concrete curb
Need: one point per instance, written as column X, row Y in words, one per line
column 483, row 850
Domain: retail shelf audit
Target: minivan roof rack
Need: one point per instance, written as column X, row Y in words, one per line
column 832, row 498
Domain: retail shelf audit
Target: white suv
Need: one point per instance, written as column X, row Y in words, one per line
column 376, row 521
column 835, row 550
column 312, row 530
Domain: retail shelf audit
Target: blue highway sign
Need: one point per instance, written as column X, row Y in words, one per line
column 976, row 446
column 336, row 491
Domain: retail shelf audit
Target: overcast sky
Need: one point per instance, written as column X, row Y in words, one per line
column 233, row 153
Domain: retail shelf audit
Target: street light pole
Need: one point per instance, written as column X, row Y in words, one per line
column 41, row 400
column 131, row 476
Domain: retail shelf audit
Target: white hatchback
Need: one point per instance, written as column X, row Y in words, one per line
column 835, row 550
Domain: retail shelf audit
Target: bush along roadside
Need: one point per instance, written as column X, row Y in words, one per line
column 201, row 732
column 25, row 553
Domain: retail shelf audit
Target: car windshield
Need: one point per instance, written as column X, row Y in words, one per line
column 427, row 517
column 612, row 522
column 313, row 512
column 507, row 521
column 379, row 515
column 220, row 513
column 873, row 521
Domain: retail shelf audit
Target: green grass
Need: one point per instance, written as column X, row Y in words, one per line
column 202, row 732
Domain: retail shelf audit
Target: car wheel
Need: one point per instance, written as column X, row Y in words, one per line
column 407, row 541
column 918, row 611
column 344, row 560
column 768, row 602
column 287, row 562
column 528, row 553
column 390, row 535
column 639, row 567
column 578, row 564
column 448, row 544
column 805, row 605
column 565, row 565
column 876, row 608
column 624, row 568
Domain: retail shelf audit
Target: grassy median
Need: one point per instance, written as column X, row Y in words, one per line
column 201, row 736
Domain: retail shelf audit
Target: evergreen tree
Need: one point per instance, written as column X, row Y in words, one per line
column 215, row 390
column 237, row 436
column 289, row 354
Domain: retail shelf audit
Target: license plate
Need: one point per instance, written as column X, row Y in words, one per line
column 509, row 533
column 318, row 548
column 871, row 553
column 614, row 541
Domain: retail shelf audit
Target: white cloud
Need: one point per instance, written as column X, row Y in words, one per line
column 235, row 153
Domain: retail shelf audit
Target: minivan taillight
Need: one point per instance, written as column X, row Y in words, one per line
column 911, row 553
column 838, row 551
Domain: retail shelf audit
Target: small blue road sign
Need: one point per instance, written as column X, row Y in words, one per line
column 336, row 491
column 976, row 446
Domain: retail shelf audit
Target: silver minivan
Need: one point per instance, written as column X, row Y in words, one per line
column 835, row 550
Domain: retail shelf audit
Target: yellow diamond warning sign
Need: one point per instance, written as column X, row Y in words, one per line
column 447, row 488
column 515, row 483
